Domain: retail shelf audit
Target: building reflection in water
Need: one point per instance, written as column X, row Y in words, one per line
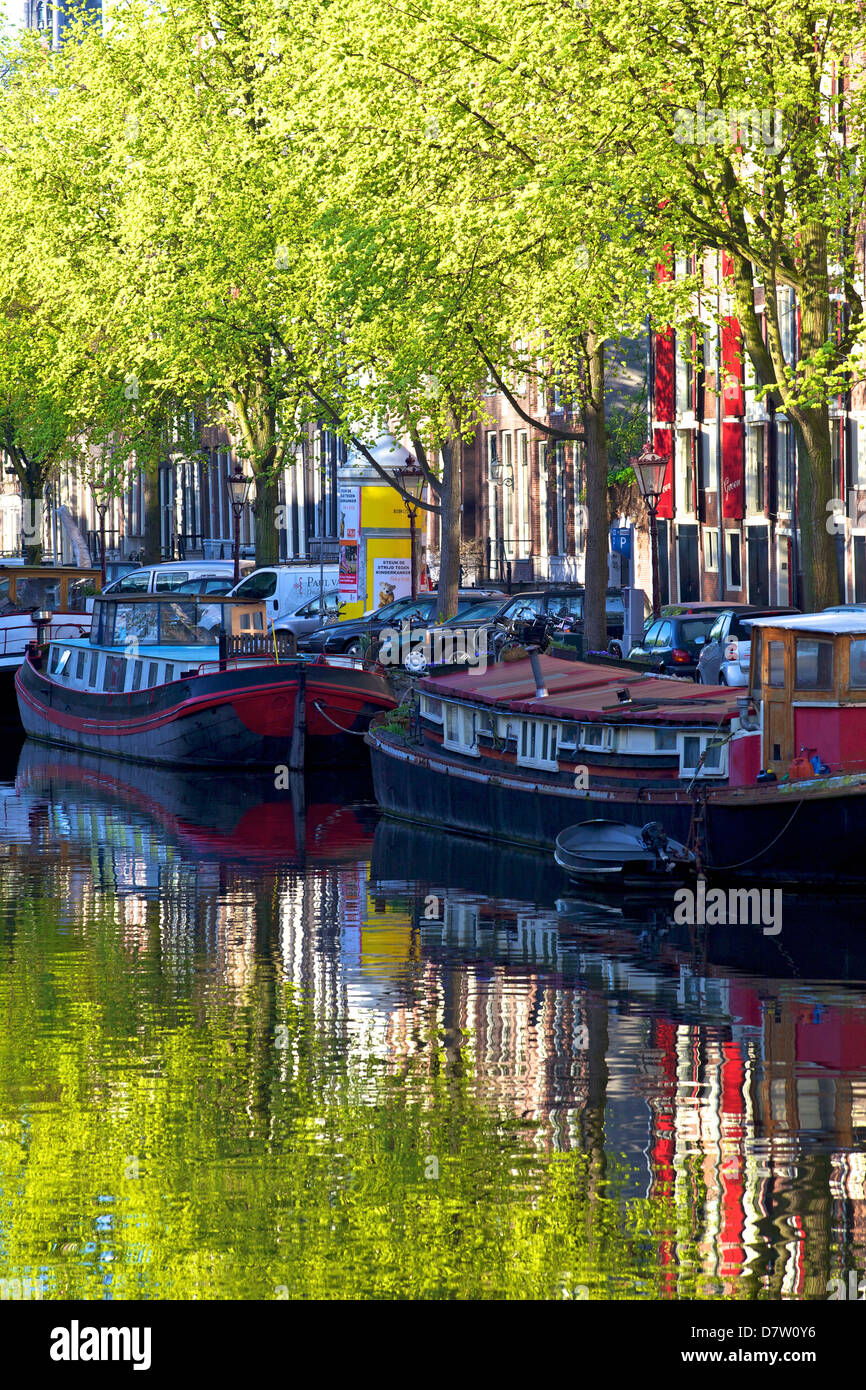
column 729, row 1071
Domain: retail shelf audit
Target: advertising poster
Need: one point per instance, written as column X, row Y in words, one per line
column 348, row 512
column 392, row 578
column 348, row 582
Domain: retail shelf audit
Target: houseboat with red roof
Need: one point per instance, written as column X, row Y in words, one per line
column 768, row 783
column 195, row 681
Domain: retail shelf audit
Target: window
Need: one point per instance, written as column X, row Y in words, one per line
column 711, row 549
column 857, row 663
column 431, row 709
column 783, row 489
column 261, row 585
column 537, row 744
column 813, row 664
column 62, row 663
column 459, row 733
column 137, row 668
column 169, row 674
column 665, row 741
column 94, row 670
column 152, row 673
column 53, row 660
column 732, row 548
column 596, row 736
column 166, row 583
column 135, row 583
column 755, row 469
column 776, row 665
column 79, row 665
column 568, row 735
column 115, row 672
column 703, row 755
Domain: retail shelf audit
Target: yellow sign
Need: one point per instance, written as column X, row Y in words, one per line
column 382, row 509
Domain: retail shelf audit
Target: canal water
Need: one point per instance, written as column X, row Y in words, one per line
column 257, row 1043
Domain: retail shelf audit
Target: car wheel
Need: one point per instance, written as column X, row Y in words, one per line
column 355, row 648
column 722, row 678
column 416, row 663
column 614, row 649
column 699, row 680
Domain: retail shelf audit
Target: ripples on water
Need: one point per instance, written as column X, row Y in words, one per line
column 253, row 1045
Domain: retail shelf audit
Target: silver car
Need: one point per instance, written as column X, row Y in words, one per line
column 725, row 656
column 310, row 613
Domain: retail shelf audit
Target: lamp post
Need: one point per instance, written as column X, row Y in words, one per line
column 649, row 470
column 238, row 484
column 407, row 475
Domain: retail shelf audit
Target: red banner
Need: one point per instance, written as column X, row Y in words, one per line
column 663, row 445
column 732, row 366
column 733, row 470
column 664, row 382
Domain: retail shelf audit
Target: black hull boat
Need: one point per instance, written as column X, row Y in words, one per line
column 152, row 683
column 606, row 853
column 766, row 785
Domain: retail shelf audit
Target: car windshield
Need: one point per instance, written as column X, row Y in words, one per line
column 262, row 584
column 478, row 612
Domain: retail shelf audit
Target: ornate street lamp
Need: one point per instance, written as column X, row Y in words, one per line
column 650, row 469
column 408, row 476
column 238, row 485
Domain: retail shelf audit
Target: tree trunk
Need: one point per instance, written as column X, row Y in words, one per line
column 152, row 515
column 267, row 501
column 450, row 526
column 596, row 568
column 815, row 488
column 33, row 504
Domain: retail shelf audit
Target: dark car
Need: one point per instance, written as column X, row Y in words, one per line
column 696, row 607
column 672, row 646
column 725, row 655
column 354, row 636
column 561, row 604
column 467, row 627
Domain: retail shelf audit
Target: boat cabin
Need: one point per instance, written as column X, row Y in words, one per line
column 57, row 589
column 138, row 641
column 809, row 672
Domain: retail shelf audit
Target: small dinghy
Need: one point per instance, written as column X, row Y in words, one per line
column 603, row 851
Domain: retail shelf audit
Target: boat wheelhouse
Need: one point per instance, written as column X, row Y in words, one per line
column 524, row 750
column 62, row 594
column 195, row 680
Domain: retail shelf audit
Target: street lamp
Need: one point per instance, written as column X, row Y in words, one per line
column 406, row 476
column 238, row 484
column 650, row 469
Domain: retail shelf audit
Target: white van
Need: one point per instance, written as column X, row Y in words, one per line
column 165, row 579
column 285, row 587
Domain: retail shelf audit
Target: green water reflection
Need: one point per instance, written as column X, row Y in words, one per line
column 237, row 1063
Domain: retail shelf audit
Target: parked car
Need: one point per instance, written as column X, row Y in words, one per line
column 218, row 587
column 284, row 587
column 168, row 577
column 560, row 602
column 353, row 637
column 473, row 622
column 698, row 607
column 311, row 613
column 672, row 646
column 724, row 658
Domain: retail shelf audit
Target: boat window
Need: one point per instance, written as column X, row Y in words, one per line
column 776, row 665
column 251, row 620
column 169, row 674
column 459, row 732
column 94, row 670
column 179, row 626
column 136, row 622
column 62, row 667
column 79, row 664
column 431, row 709
column 152, row 673
column 709, row 746
column 665, row 740
column 36, row 592
column 596, row 736
column 813, row 664
column 53, row 660
column 137, row 668
column 537, row 746
column 568, row 737
column 115, row 672
column 102, row 625
column 78, row 593
column 857, row 663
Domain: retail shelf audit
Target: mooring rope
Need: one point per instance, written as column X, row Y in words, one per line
column 359, row 732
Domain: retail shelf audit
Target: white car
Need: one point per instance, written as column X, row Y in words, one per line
column 168, row 577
